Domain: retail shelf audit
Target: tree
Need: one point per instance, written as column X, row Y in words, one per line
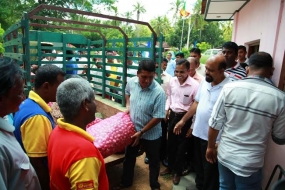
column 211, row 33
column 128, row 15
column 139, row 9
column 11, row 12
column 142, row 31
column 227, row 28
column 176, row 6
column 203, row 46
column 160, row 25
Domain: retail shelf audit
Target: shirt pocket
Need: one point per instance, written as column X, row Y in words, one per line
column 185, row 99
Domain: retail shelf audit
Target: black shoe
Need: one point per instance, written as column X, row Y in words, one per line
column 146, row 160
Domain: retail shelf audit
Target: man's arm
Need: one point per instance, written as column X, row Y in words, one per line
column 278, row 130
column 77, row 175
column 35, row 140
column 152, row 123
column 4, row 164
column 211, row 153
column 41, row 168
column 188, row 115
column 127, row 97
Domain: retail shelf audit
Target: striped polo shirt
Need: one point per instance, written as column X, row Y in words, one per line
column 146, row 104
column 236, row 72
column 249, row 111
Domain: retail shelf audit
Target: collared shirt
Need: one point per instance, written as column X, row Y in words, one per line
column 199, row 78
column 206, row 97
column 171, row 67
column 34, row 125
column 181, row 97
column 201, row 69
column 236, row 72
column 16, row 172
column 70, row 152
column 146, row 104
column 249, row 111
column 246, row 61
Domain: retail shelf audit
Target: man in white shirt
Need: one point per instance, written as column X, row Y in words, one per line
column 247, row 120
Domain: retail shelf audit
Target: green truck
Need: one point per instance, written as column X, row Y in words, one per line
column 28, row 47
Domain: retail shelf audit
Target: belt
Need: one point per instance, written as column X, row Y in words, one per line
column 178, row 113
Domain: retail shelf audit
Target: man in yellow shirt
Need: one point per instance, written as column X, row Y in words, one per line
column 34, row 123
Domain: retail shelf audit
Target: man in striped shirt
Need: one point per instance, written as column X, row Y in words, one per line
column 247, row 120
column 234, row 69
column 145, row 101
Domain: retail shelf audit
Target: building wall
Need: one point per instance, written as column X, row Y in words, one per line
column 264, row 20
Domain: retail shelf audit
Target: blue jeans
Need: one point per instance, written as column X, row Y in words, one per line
column 231, row 181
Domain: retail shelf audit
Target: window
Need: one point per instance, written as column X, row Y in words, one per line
column 253, row 47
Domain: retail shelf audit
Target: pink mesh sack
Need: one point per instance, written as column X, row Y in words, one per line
column 112, row 134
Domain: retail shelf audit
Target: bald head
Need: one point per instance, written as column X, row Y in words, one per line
column 194, row 64
column 219, row 61
column 215, row 67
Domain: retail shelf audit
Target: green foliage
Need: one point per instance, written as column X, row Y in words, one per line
column 227, row 28
column 211, row 33
column 1, row 40
column 160, row 25
column 203, row 46
column 186, row 52
column 142, row 31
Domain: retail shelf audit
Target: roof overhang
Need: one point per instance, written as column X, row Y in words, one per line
column 219, row 10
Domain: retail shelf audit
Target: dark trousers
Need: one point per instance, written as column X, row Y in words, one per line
column 163, row 146
column 177, row 144
column 207, row 174
column 151, row 148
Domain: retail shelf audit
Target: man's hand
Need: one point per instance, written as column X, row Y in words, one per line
column 178, row 126
column 166, row 116
column 136, row 137
column 211, row 155
column 189, row 133
column 127, row 110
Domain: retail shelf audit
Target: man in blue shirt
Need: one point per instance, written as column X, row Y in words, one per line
column 69, row 65
column 170, row 64
column 145, row 100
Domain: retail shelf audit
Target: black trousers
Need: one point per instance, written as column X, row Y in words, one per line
column 163, row 146
column 151, row 148
column 177, row 144
column 207, row 174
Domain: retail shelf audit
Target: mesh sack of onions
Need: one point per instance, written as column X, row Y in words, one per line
column 55, row 112
column 112, row 134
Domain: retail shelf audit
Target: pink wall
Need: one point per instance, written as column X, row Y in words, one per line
column 264, row 20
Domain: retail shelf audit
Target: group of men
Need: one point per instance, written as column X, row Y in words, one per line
column 234, row 116
column 235, row 108
column 36, row 154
